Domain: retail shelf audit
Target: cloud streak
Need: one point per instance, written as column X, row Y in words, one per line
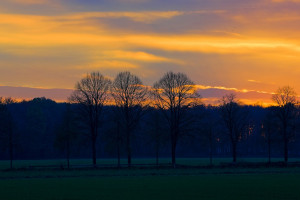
column 30, row 2
column 210, row 95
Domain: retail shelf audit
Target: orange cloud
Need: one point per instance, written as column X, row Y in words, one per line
column 108, row 64
column 254, row 81
column 212, row 95
column 280, row 1
column 76, row 29
column 133, row 1
column 31, row 1
column 138, row 56
column 143, row 16
column 205, row 87
column 182, row 43
column 139, row 16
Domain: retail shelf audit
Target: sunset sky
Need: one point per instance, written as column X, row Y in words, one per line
column 247, row 47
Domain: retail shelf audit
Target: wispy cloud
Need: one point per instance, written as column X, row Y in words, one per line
column 280, row 1
column 30, row 1
column 82, row 29
column 133, row 1
column 87, row 17
column 144, row 16
column 254, row 81
column 108, row 64
column 213, row 94
column 205, row 87
column 129, row 55
column 210, row 95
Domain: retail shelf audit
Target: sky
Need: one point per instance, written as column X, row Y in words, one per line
column 246, row 47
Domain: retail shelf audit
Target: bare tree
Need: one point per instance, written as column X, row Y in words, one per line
column 66, row 133
column 6, row 127
column 235, row 120
column 208, row 127
column 91, row 94
column 114, row 136
column 174, row 94
column 286, row 112
column 269, row 130
column 130, row 95
column 156, row 131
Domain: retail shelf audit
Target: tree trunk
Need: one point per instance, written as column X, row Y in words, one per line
column 173, row 151
column 211, row 146
column 68, row 153
column 118, row 144
column 174, row 136
column 285, row 145
column 173, row 155
column 234, row 152
column 119, row 156
column 211, row 154
column 269, row 151
column 128, row 135
column 286, row 150
column 128, row 148
column 157, row 140
column 94, row 151
column 11, row 149
column 128, row 154
column 11, row 154
column 157, row 154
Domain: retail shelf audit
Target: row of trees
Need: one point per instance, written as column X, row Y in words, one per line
column 173, row 95
column 168, row 111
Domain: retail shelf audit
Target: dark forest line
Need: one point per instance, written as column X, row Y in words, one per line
column 146, row 125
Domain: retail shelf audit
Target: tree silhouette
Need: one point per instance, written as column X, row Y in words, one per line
column 91, row 94
column 208, row 128
column 269, row 129
column 6, row 127
column 66, row 133
column 235, row 120
column 114, row 136
column 129, row 95
column 174, row 94
column 286, row 112
column 156, row 131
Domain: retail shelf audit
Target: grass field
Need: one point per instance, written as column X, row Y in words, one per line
column 233, row 186
column 185, row 183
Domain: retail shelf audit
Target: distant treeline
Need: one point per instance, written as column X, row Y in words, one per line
column 44, row 129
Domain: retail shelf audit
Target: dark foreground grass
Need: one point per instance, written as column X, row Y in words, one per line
column 195, row 182
column 5, row 164
column 205, row 186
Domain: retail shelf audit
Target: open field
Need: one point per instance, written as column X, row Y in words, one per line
column 211, row 186
column 148, row 183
